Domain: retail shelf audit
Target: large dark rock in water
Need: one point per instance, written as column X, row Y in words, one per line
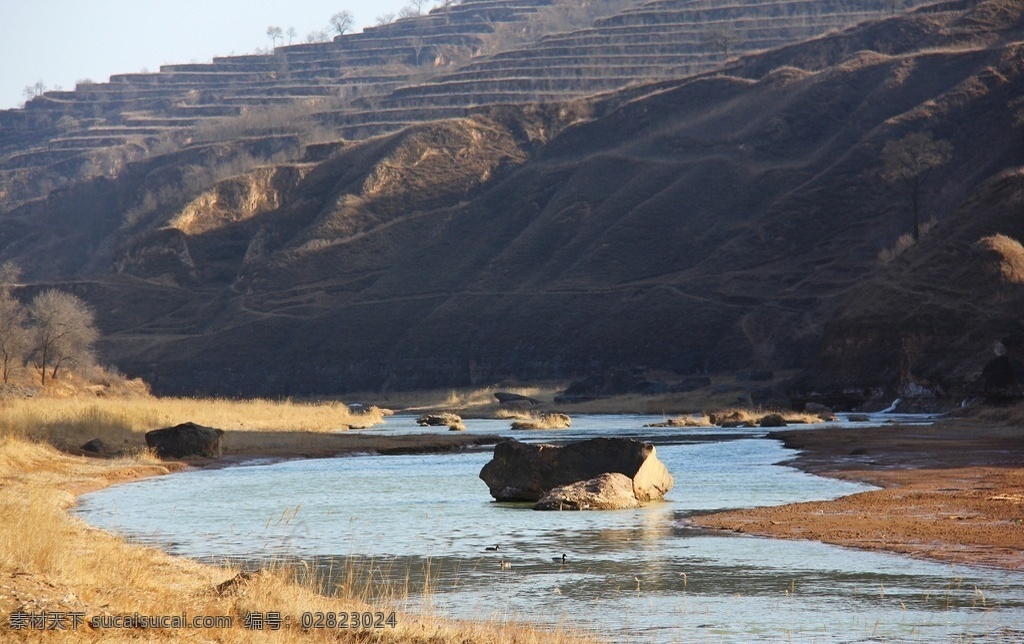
column 526, row 472
column 187, row 439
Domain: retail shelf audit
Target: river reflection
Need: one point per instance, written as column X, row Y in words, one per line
column 630, row 575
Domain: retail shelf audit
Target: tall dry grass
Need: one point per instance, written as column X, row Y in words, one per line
column 121, row 422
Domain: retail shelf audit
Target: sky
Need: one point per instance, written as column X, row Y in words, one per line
column 61, row 42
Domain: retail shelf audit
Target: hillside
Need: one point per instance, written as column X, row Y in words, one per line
column 468, row 54
column 726, row 220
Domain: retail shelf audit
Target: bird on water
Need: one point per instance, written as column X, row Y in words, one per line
column 492, row 548
column 560, row 560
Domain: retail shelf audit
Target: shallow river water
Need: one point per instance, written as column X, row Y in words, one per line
column 632, row 575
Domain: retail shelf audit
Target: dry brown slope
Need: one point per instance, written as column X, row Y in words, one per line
column 709, row 224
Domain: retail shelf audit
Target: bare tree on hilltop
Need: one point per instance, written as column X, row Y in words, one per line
column 64, row 329
column 908, row 161
column 275, row 34
column 343, row 22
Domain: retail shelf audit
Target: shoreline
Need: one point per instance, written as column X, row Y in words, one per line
column 950, row 492
column 53, row 563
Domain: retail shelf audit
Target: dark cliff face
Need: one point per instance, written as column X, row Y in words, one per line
column 721, row 222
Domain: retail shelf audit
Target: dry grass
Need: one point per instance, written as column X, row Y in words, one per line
column 543, row 421
column 122, row 422
column 698, row 420
column 53, row 562
column 468, row 403
column 755, row 416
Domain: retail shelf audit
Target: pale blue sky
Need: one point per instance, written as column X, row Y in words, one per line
column 60, row 42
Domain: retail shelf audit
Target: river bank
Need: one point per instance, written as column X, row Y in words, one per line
column 63, row 580
column 953, row 491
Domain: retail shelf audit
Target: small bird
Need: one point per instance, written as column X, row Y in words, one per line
column 560, row 560
column 506, row 565
column 492, row 548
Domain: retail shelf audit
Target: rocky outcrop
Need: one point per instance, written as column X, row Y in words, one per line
column 515, row 401
column 527, row 472
column 97, row 447
column 823, row 412
column 185, row 440
column 439, row 420
column 612, row 491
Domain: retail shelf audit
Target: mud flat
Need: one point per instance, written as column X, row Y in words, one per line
column 953, row 491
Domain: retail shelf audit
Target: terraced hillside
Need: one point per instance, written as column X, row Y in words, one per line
column 389, row 77
column 695, row 225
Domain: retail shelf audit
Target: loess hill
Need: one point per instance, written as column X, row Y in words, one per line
column 727, row 215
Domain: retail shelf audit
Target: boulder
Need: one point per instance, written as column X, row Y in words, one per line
column 96, row 446
column 823, row 412
column 526, row 472
column 506, row 399
column 439, row 420
column 187, row 439
column 612, row 491
column 772, row 420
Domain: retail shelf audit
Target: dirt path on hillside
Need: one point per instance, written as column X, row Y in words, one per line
column 952, row 492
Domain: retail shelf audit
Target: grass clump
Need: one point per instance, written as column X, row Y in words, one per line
column 550, row 420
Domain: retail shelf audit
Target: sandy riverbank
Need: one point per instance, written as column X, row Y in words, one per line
column 953, row 491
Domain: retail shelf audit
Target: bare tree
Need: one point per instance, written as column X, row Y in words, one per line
column 413, row 9
column 10, row 273
column 445, row 6
column 292, row 34
column 343, row 22
column 64, row 331
column 275, row 34
column 32, row 91
column 723, row 39
column 385, row 19
column 908, row 161
column 14, row 338
column 14, row 341
column 318, row 36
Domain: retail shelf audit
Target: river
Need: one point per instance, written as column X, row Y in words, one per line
column 631, row 575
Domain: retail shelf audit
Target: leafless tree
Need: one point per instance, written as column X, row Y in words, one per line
column 722, row 39
column 63, row 330
column 10, row 273
column 318, row 36
column 275, row 34
column 385, row 19
column 14, row 340
column 292, row 34
column 408, row 11
column 32, row 91
column 343, row 22
column 908, row 161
